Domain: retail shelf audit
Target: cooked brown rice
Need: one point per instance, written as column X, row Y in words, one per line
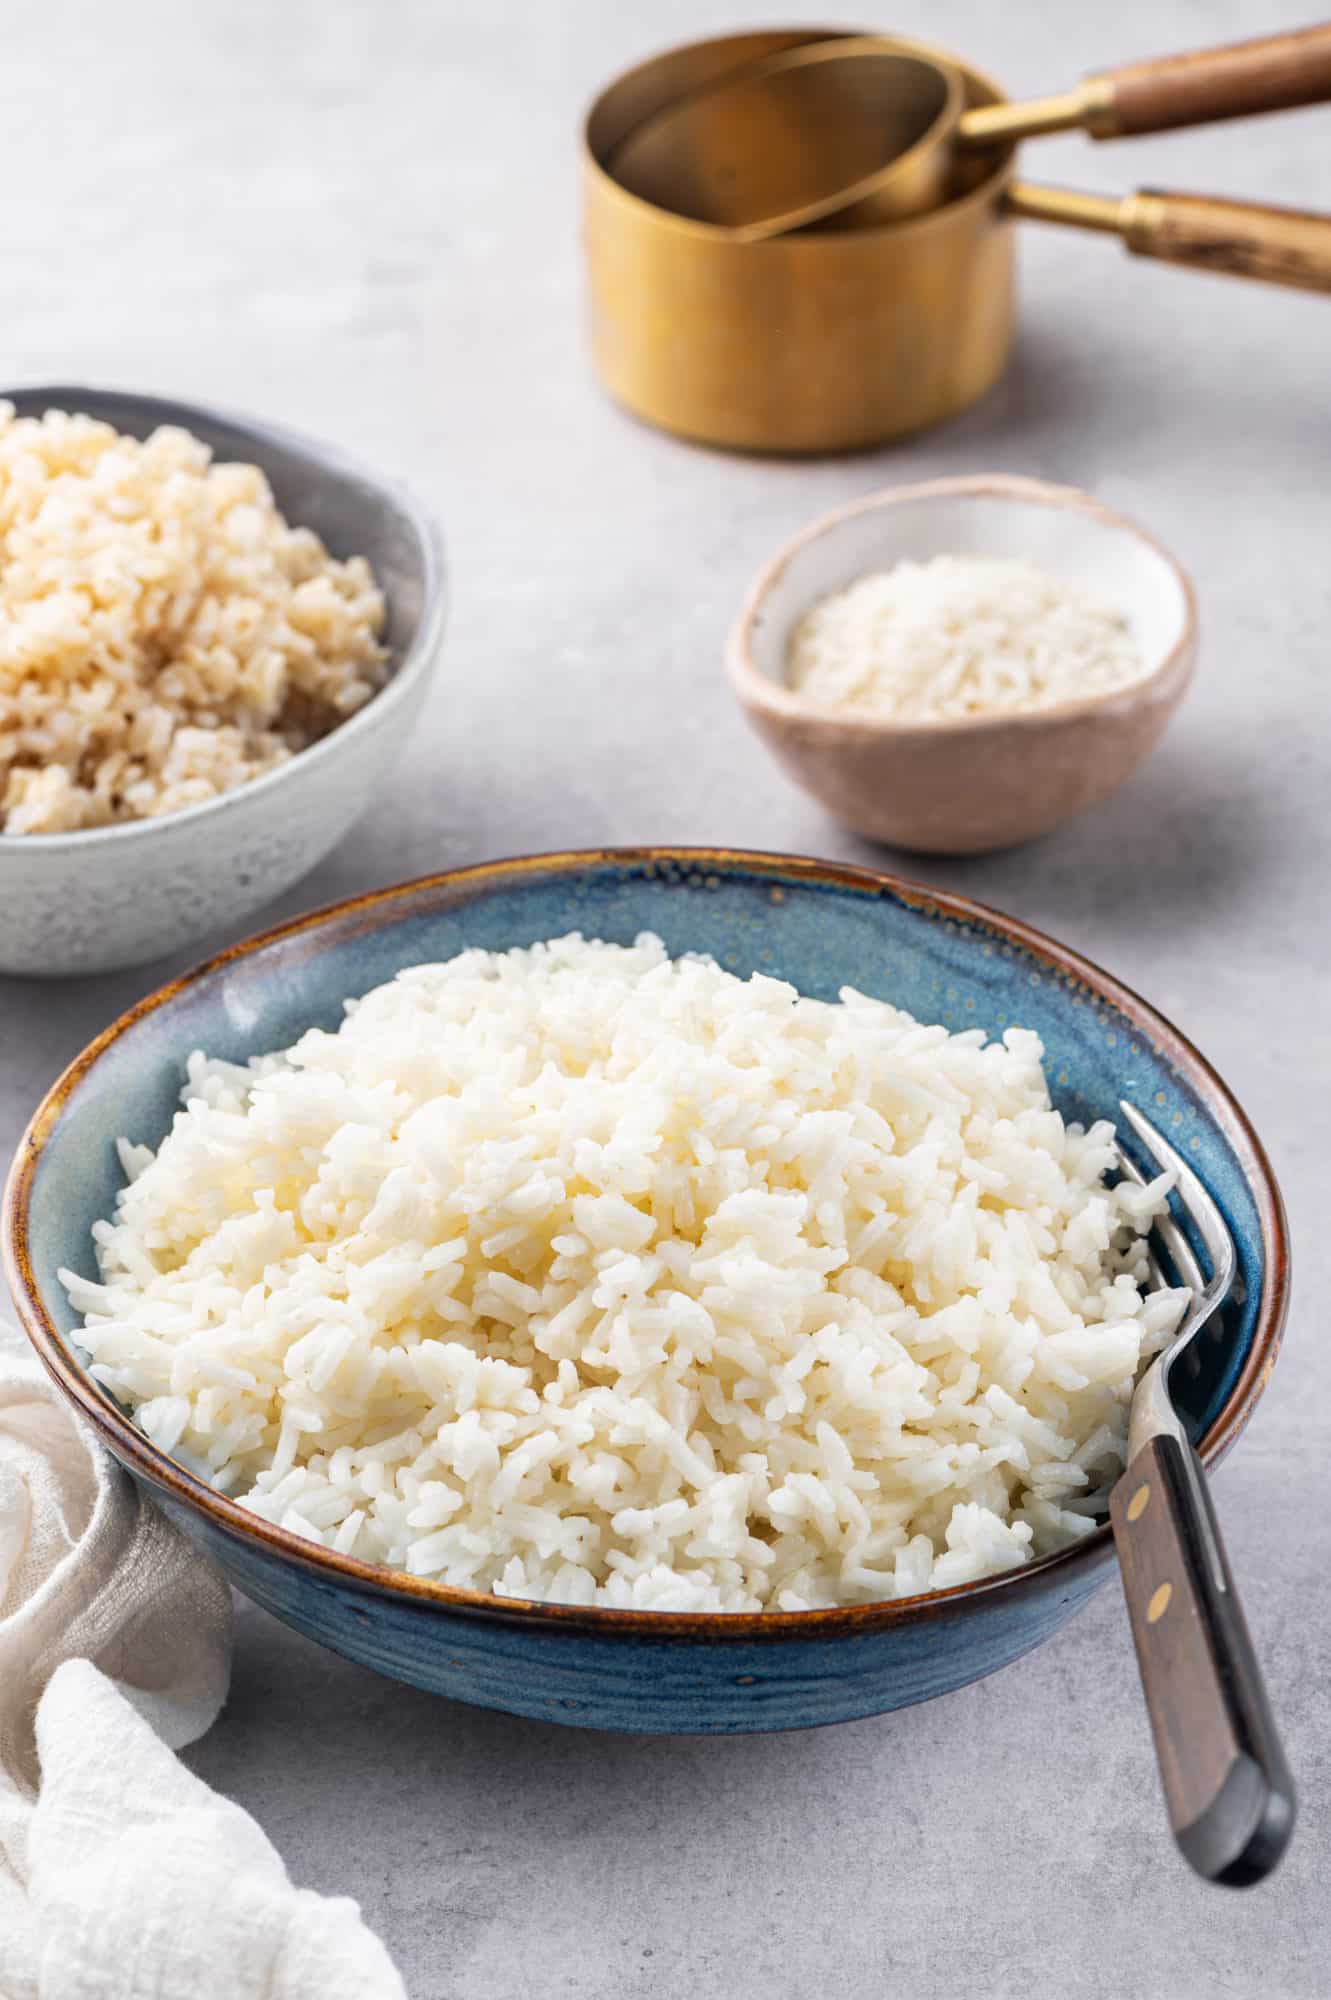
column 165, row 635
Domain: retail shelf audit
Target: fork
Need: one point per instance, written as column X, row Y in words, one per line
column 1226, row 1783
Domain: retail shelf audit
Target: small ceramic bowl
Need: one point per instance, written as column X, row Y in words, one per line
column 966, row 785
column 115, row 896
column 815, row 924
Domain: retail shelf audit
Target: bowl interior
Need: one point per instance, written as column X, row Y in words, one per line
column 314, row 486
column 815, row 925
column 1080, row 544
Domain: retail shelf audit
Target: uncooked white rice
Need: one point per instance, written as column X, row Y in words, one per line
column 164, row 634
column 957, row 636
column 581, row 1273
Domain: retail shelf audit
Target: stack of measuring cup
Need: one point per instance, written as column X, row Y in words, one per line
column 801, row 242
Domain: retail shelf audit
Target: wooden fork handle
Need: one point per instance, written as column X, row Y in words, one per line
column 1273, row 73
column 1227, row 1786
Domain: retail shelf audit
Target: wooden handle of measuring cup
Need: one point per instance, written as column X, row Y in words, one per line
column 1279, row 246
column 1273, row 73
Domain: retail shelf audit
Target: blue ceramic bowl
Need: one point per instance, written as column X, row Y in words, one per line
column 811, row 922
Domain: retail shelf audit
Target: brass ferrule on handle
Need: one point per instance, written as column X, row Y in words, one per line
column 1088, row 108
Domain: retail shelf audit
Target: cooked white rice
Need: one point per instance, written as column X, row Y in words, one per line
column 164, row 634
column 958, row 636
column 581, row 1273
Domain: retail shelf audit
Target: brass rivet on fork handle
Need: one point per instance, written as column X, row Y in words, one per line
column 1159, row 1603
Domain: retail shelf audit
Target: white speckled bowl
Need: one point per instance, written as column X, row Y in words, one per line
column 115, row 896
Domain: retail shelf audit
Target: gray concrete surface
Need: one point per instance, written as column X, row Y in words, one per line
column 362, row 219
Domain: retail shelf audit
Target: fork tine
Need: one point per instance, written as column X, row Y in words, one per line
column 1192, row 1191
column 1197, row 1201
column 1181, row 1254
column 1130, row 1171
column 1187, row 1269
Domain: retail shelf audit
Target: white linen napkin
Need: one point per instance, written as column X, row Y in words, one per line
column 122, row 1875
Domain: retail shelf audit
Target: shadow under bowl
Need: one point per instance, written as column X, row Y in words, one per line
column 967, row 784
column 108, row 897
column 815, row 924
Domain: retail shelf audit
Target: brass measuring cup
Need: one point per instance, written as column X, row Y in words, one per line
column 801, row 135
column 832, row 339
column 860, row 129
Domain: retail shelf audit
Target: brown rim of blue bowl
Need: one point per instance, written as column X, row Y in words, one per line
column 1047, row 1573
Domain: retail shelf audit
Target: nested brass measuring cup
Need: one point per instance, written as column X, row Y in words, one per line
column 859, row 129
column 802, row 135
column 832, row 339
